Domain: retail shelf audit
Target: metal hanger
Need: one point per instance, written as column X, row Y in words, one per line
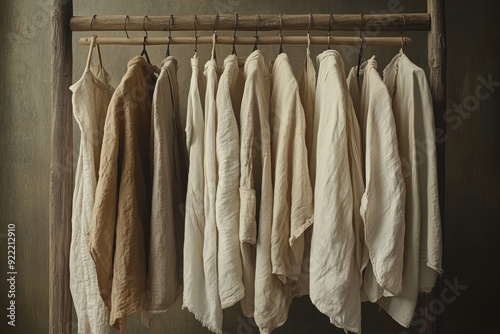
column 281, row 35
column 257, row 21
column 170, row 19
column 361, row 53
column 309, row 31
column 330, row 28
column 144, row 51
column 401, row 34
column 195, row 35
column 95, row 42
column 214, row 37
column 234, row 33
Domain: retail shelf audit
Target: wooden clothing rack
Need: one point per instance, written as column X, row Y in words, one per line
column 63, row 23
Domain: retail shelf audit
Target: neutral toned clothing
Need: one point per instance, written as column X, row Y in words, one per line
column 307, row 91
column 227, row 144
column 293, row 203
column 91, row 96
column 201, row 295
column 256, row 193
column 168, row 193
column 382, row 206
column 336, row 249
column 414, row 118
column 121, row 214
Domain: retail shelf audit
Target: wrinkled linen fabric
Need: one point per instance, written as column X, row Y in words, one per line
column 256, row 193
column 383, row 202
column 119, row 232
column 337, row 240
column 91, row 97
column 211, row 73
column 307, row 91
column 201, row 295
column 414, row 118
column 227, row 145
column 168, row 193
column 293, row 203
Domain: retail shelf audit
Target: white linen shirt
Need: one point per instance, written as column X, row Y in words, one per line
column 200, row 273
column 382, row 205
column 293, row 203
column 336, row 246
column 414, row 117
column 227, row 145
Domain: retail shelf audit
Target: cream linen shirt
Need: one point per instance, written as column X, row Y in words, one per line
column 383, row 202
column 414, row 117
column 337, row 238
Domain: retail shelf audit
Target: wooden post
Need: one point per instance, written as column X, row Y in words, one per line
column 437, row 80
column 61, row 169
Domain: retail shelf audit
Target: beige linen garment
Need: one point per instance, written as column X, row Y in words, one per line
column 201, row 295
column 121, row 214
column 307, row 91
column 91, row 96
column 413, row 114
column 293, row 204
column 383, row 202
column 227, row 144
column 336, row 246
column 167, row 193
column 256, row 193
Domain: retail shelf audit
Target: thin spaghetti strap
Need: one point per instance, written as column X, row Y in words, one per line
column 99, row 54
column 89, row 57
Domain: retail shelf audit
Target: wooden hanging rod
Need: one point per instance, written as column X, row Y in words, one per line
column 265, row 22
column 264, row 40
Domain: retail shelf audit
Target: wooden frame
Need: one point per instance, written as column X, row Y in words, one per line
column 61, row 169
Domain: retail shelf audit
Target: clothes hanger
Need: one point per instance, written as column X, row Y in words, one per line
column 170, row 19
column 281, row 35
column 214, row 37
column 361, row 53
column 309, row 32
column 195, row 35
column 234, row 33
column 330, row 25
column 97, row 45
column 401, row 35
column 144, row 51
column 257, row 21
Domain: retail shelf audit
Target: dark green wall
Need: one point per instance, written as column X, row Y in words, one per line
column 473, row 157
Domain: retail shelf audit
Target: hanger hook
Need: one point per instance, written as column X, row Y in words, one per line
column 361, row 54
column 234, row 33
column 309, row 31
column 216, row 18
column 330, row 25
column 92, row 21
column 310, row 21
column 126, row 20
column 401, row 34
column 195, row 34
column 144, row 25
column 281, row 35
column 257, row 21
column 170, row 19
